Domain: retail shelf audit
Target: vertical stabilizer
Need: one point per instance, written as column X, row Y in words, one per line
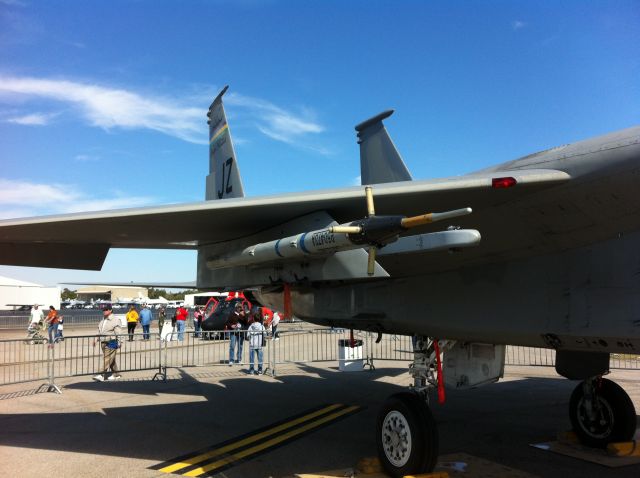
column 224, row 179
column 380, row 161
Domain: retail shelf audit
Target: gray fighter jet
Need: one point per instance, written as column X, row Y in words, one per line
column 543, row 251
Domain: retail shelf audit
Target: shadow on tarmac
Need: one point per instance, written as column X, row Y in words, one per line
column 140, row 418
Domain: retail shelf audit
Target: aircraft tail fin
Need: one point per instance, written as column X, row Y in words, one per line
column 380, row 161
column 224, row 179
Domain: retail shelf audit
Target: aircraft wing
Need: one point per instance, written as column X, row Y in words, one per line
column 81, row 241
column 156, row 285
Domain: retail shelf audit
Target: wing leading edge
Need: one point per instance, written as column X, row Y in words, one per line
column 81, row 241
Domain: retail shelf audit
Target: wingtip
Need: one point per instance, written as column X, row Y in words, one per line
column 218, row 98
column 374, row 119
column 224, row 90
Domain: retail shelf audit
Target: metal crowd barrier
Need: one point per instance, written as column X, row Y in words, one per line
column 26, row 360
column 72, row 317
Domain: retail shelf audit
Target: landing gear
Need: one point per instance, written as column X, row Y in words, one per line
column 601, row 412
column 407, row 435
column 406, row 432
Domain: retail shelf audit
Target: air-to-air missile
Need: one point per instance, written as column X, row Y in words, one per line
column 372, row 232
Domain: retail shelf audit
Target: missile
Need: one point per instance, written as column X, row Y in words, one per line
column 372, row 232
column 381, row 230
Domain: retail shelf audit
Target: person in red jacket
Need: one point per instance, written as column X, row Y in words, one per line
column 181, row 320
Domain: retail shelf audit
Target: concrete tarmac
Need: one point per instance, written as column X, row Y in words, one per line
column 123, row 428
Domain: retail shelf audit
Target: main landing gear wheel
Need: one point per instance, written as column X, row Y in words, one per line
column 406, row 435
column 601, row 412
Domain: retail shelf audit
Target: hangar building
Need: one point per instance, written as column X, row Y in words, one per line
column 111, row 293
column 15, row 292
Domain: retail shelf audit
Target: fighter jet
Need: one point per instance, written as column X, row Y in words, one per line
column 542, row 251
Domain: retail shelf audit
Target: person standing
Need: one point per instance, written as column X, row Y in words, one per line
column 242, row 334
column 108, row 331
column 132, row 321
column 256, row 336
column 37, row 316
column 181, row 320
column 275, row 335
column 255, row 313
column 145, row 319
column 59, row 336
column 52, row 319
column 234, row 327
column 198, row 315
column 162, row 316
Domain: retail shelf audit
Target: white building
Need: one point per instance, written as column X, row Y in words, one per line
column 111, row 293
column 15, row 292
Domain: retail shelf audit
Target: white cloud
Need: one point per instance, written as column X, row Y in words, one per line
column 24, row 199
column 115, row 108
column 518, row 25
column 278, row 123
column 111, row 108
column 86, row 158
column 33, row 119
column 357, row 181
column 76, row 44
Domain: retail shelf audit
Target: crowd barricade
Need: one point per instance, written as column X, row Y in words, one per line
column 28, row 360
column 23, row 361
column 76, row 318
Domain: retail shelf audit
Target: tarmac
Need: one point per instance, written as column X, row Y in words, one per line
column 262, row 426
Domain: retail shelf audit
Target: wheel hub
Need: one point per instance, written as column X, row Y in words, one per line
column 599, row 423
column 396, row 438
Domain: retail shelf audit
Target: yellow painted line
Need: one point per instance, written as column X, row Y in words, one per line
column 434, row 474
column 274, row 441
column 219, row 132
column 253, row 438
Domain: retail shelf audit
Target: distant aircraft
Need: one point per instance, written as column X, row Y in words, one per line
column 72, row 304
column 20, row 307
column 548, row 258
column 141, row 300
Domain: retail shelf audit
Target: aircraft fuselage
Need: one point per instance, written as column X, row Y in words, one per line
column 557, row 268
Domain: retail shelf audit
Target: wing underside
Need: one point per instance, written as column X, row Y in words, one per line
column 81, row 241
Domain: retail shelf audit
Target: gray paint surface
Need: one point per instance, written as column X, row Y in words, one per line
column 557, row 265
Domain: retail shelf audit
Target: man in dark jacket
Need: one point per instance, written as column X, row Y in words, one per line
column 236, row 335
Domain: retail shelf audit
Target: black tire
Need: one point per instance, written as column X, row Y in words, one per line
column 406, row 419
column 616, row 415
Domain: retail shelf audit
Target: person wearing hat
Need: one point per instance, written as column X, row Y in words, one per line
column 108, row 331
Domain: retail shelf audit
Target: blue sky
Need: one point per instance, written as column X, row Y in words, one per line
column 103, row 104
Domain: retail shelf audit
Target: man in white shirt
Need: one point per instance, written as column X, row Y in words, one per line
column 37, row 316
column 274, row 326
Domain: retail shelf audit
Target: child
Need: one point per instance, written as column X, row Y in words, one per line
column 256, row 335
column 59, row 337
